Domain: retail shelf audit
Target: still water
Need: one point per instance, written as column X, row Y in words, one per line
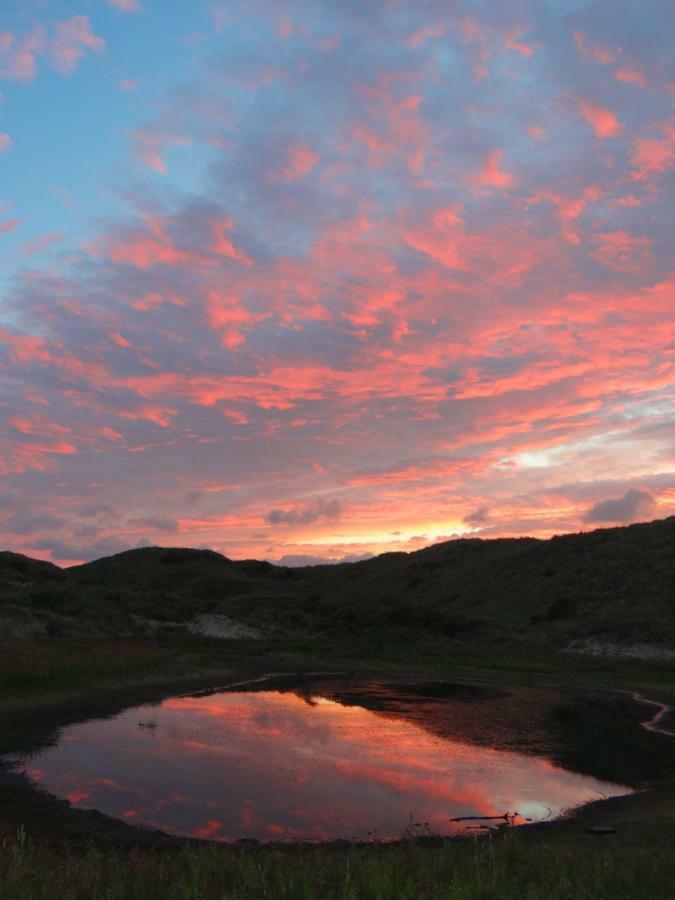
column 278, row 766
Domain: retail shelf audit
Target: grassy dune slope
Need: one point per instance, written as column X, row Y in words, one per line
column 615, row 584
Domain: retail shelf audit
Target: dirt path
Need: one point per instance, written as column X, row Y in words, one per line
column 653, row 724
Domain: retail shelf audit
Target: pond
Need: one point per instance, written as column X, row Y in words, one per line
column 285, row 766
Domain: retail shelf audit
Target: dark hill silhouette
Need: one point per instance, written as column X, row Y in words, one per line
column 614, row 584
column 17, row 568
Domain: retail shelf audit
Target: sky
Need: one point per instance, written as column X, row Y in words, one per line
column 310, row 281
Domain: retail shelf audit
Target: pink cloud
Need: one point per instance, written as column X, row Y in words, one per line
column 631, row 76
column 394, row 127
column 18, row 56
column 145, row 248
column 228, row 315
column 285, row 28
column 513, row 43
column 119, row 339
column 603, row 121
column 9, row 225
column 536, row 132
column 151, row 301
column 328, row 44
column 653, row 155
column 71, row 39
column 569, row 209
column 219, row 14
column 42, row 243
column 623, row 251
column 300, row 159
column 5, row 142
column 423, row 34
column 125, row 5
column 223, row 246
column 158, row 415
column 492, row 175
column 152, row 142
column 603, row 55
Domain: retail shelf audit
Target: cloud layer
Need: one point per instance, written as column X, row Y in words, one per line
column 381, row 274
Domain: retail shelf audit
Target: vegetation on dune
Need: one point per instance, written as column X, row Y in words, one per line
column 614, row 584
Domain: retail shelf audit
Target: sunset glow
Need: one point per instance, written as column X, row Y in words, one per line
column 315, row 280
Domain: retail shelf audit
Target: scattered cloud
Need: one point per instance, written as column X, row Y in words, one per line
column 153, row 523
column 26, row 523
column 305, row 515
column 299, row 560
column 634, row 506
column 654, row 155
column 64, row 43
column 622, row 251
column 70, row 41
column 125, row 5
column 604, row 122
column 19, row 53
column 492, row 174
column 478, row 517
column 66, row 552
column 631, row 76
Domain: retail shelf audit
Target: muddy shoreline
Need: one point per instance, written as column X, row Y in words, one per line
column 542, row 720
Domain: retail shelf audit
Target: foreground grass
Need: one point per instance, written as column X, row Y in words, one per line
column 505, row 869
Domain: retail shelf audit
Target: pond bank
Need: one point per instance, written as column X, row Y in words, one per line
column 535, row 719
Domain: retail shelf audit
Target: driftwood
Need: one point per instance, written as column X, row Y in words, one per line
column 506, row 818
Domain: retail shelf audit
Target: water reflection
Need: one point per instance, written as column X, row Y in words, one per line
column 275, row 765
